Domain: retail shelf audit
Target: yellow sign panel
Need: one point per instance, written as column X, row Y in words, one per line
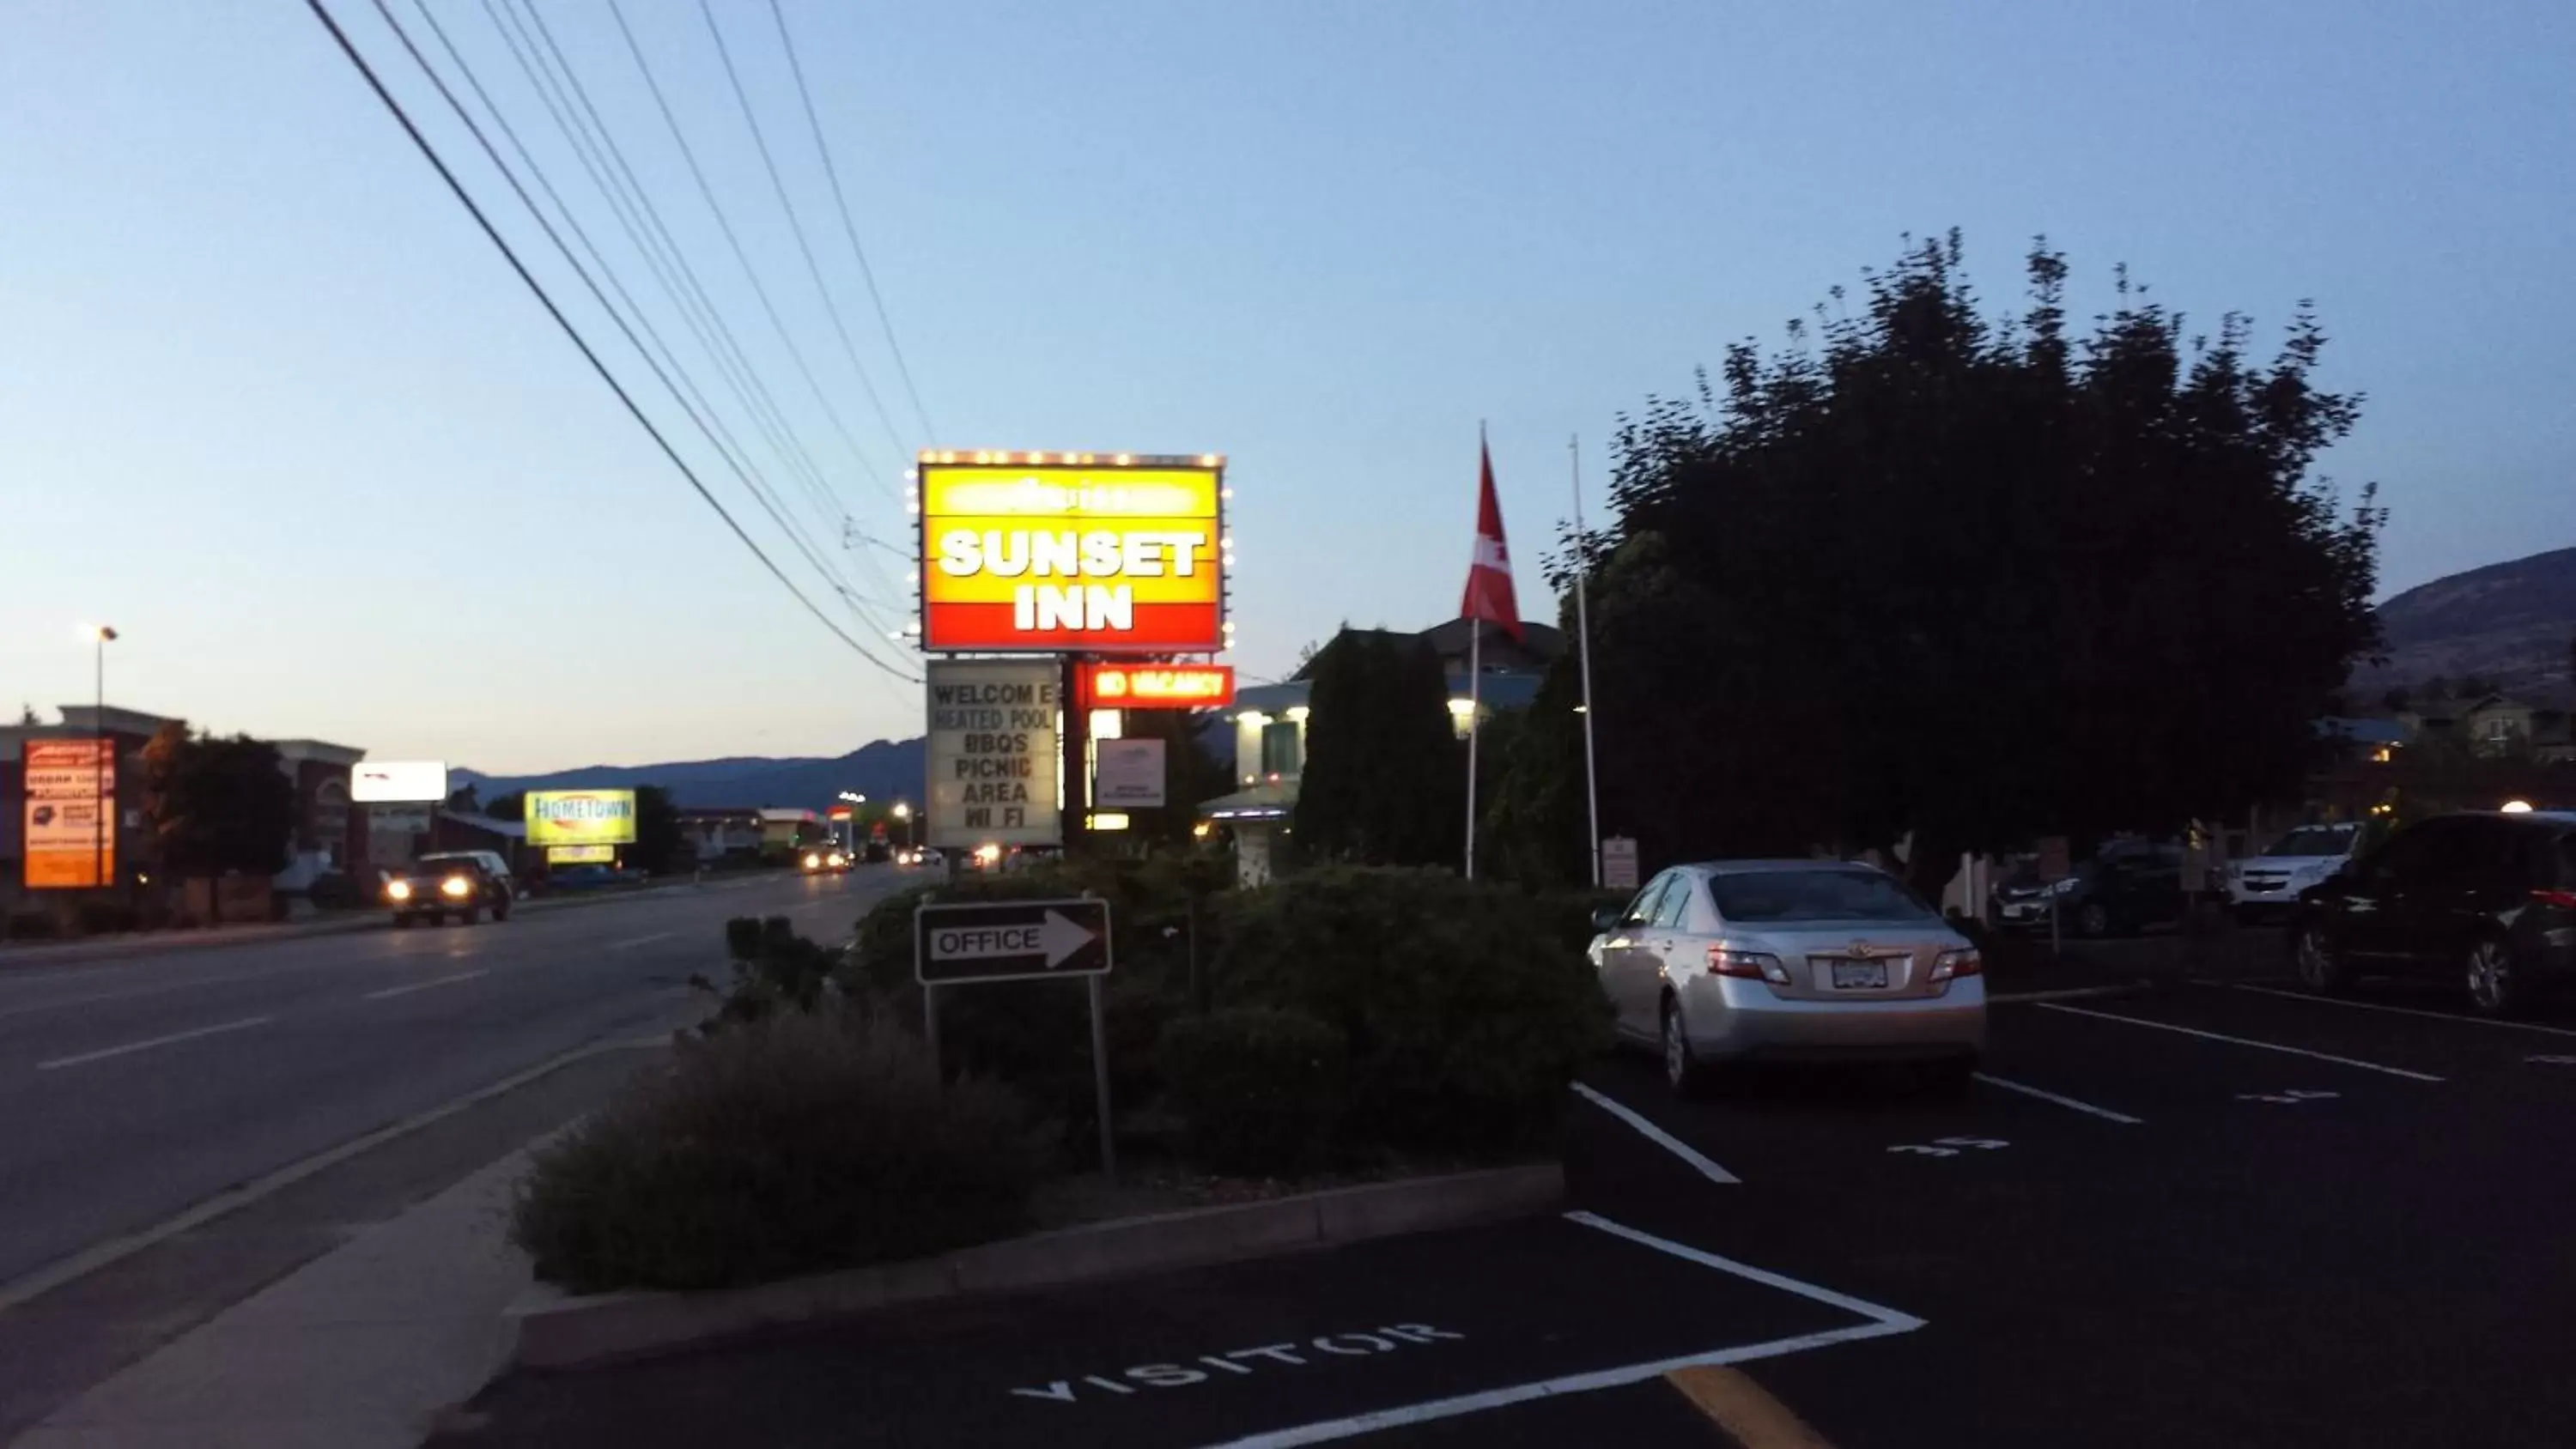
column 581, row 817
column 1073, row 556
column 581, row 855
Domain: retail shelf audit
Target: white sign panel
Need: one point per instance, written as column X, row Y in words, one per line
column 1618, row 863
column 394, row 782
column 1129, row 775
column 993, row 751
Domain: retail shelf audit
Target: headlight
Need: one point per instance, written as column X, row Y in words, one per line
column 455, row 885
column 2060, row 887
column 838, row 859
column 398, row 890
column 813, row 861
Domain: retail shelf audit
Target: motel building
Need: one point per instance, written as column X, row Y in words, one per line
column 1270, row 725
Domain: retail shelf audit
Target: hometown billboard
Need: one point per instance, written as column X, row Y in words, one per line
column 581, row 817
column 1095, row 553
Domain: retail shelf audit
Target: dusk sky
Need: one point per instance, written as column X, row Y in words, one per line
column 272, row 407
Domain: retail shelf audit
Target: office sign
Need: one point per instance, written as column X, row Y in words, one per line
column 1127, row 774
column 1618, row 863
column 1095, row 553
column 398, row 782
column 1009, row 941
column 70, row 820
column 581, row 855
column 993, row 751
column 1155, row 686
column 581, row 817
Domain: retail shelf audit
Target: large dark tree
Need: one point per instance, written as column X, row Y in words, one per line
column 1938, row 570
column 657, row 829
column 217, row 805
column 1384, row 778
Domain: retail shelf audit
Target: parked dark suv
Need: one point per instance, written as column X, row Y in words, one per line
column 2488, row 899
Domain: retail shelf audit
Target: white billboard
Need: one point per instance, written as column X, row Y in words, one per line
column 993, row 751
column 1127, row 774
column 398, row 782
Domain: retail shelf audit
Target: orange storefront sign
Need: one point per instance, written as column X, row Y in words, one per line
column 1072, row 556
column 1156, row 686
column 70, row 822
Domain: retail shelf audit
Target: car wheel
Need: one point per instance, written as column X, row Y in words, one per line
column 2495, row 987
column 1683, row 1071
column 500, row 911
column 2093, row 919
column 470, row 916
column 2320, row 968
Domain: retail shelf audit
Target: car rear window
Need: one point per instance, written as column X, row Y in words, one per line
column 1814, row 895
column 2314, row 840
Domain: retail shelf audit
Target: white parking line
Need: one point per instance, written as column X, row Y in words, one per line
column 641, row 940
column 1881, row 1323
column 1659, row 1137
column 145, row 1046
column 2268, row 1046
column 2028, row 1091
column 2399, row 1010
column 423, row 985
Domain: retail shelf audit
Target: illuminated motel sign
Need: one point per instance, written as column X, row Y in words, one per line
column 1072, row 552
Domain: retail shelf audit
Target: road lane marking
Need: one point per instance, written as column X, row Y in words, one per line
column 2067, row 993
column 634, row 941
column 1658, row 1136
column 159, row 1041
column 89, row 1260
column 423, row 985
column 1882, row 1322
column 2029, row 1091
column 2268, row 1046
column 1744, row 1409
column 2397, row 1010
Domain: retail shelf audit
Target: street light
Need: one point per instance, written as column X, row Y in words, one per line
column 903, row 812
column 106, row 797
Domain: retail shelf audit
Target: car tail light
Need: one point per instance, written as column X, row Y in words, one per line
column 2563, row 900
column 1747, row 965
column 1963, row 961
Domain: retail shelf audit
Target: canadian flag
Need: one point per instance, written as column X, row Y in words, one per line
column 1489, row 573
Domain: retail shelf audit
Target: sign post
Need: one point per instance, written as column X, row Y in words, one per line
column 987, row 941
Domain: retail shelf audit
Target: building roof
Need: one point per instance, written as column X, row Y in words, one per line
column 513, row 829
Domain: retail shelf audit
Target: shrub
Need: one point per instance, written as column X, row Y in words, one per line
column 774, row 969
column 30, row 926
column 1465, row 1011
column 1259, row 1089
column 101, row 918
column 800, row 1143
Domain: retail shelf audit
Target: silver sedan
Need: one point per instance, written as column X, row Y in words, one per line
column 1790, row 960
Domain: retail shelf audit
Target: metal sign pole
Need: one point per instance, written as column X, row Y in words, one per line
column 1100, row 1083
column 930, row 1022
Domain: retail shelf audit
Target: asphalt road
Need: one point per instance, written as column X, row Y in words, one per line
column 2206, row 1214
column 134, row 1089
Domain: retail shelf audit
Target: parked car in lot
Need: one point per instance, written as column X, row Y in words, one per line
column 1790, row 960
column 463, row 884
column 2128, row 885
column 2267, row 887
column 2487, row 899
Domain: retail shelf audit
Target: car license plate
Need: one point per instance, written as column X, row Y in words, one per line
column 1854, row 974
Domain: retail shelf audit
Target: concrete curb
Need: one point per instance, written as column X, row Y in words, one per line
column 559, row 1331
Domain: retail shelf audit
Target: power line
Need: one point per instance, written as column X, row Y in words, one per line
column 493, row 234
column 849, row 228
column 724, row 224
column 796, row 226
column 678, row 277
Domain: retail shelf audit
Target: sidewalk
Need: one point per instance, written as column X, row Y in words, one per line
column 363, row 1348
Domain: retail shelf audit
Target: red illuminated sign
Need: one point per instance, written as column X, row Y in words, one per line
column 1156, row 686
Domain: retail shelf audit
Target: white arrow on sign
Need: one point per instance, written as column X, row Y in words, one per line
column 1056, row 937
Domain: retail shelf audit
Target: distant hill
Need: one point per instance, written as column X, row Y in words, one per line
column 2507, row 623
column 885, row 770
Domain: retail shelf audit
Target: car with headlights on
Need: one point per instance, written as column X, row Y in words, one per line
column 463, row 884
column 824, row 860
column 1790, row 961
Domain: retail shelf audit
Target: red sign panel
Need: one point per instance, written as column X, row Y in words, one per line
column 1156, row 686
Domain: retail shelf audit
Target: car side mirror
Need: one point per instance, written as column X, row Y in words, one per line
column 1606, row 918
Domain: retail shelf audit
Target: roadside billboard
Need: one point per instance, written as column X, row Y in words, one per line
column 1079, row 552
column 993, row 752
column 581, row 817
column 1155, row 686
column 70, row 814
column 398, row 782
column 1127, row 774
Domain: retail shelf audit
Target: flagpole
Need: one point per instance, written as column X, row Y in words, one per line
column 1583, row 652
column 1475, row 676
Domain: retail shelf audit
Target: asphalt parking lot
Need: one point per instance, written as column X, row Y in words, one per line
column 2202, row 1213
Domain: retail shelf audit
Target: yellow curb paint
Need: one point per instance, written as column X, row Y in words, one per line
column 1744, row 1409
